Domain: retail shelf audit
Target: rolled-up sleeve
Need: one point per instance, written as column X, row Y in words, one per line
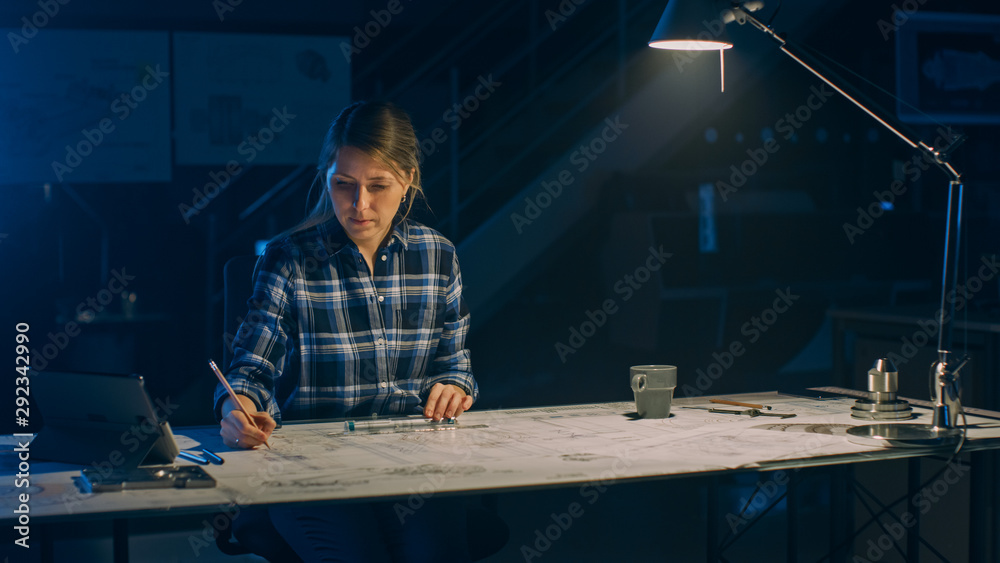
column 452, row 363
column 266, row 338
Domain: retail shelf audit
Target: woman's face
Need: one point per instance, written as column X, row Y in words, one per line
column 366, row 196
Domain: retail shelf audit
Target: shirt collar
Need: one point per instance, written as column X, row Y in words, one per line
column 400, row 234
column 335, row 239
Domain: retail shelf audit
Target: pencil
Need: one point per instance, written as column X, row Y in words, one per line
column 738, row 404
column 232, row 395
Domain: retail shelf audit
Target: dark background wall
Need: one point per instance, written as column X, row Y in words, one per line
column 780, row 231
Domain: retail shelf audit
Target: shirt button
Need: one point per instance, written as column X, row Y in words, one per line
column 379, row 341
column 381, row 299
column 383, row 385
column 383, row 258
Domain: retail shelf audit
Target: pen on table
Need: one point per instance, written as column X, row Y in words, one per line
column 193, row 457
column 739, row 404
column 212, row 456
column 232, row 395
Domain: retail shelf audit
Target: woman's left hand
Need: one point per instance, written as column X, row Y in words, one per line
column 446, row 401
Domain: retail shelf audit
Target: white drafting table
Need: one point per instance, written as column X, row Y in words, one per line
column 492, row 451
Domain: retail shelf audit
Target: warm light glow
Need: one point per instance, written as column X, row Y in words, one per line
column 690, row 45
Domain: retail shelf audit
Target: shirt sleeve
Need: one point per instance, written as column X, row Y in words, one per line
column 265, row 339
column 452, row 362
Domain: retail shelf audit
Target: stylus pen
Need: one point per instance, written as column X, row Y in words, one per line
column 232, row 395
column 193, row 457
column 212, row 456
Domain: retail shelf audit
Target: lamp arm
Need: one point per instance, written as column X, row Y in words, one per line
column 938, row 156
column 946, row 402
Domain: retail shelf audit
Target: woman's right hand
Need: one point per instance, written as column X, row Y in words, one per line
column 236, row 430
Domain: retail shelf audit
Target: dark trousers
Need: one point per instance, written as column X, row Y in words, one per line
column 382, row 532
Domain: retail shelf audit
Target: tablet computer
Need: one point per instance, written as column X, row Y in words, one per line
column 101, row 420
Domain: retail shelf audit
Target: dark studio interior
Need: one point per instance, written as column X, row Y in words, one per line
column 610, row 205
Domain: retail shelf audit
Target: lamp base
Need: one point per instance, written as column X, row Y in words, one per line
column 903, row 435
column 896, row 409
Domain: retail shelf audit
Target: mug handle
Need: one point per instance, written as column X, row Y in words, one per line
column 639, row 382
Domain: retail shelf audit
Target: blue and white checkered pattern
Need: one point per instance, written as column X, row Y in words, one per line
column 326, row 338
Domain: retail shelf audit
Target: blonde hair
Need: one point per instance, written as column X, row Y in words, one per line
column 385, row 133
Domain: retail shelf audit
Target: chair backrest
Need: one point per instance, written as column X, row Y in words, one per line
column 237, row 277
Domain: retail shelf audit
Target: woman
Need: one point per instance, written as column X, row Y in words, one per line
column 357, row 310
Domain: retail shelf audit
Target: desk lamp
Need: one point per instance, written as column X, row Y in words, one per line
column 693, row 25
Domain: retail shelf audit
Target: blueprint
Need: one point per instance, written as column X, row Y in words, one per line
column 590, row 445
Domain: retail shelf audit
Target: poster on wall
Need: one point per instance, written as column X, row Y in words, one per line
column 948, row 68
column 256, row 99
column 83, row 106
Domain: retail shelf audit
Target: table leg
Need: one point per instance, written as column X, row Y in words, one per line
column 712, row 519
column 841, row 513
column 913, row 532
column 994, row 537
column 792, row 512
column 48, row 538
column 119, row 540
column 981, row 490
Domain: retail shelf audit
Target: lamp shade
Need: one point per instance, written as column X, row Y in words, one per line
column 690, row 25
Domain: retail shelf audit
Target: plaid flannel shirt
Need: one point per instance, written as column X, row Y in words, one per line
column 326, row 338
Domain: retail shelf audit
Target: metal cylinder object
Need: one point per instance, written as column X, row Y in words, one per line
column 882, row 404
column 883, row 377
